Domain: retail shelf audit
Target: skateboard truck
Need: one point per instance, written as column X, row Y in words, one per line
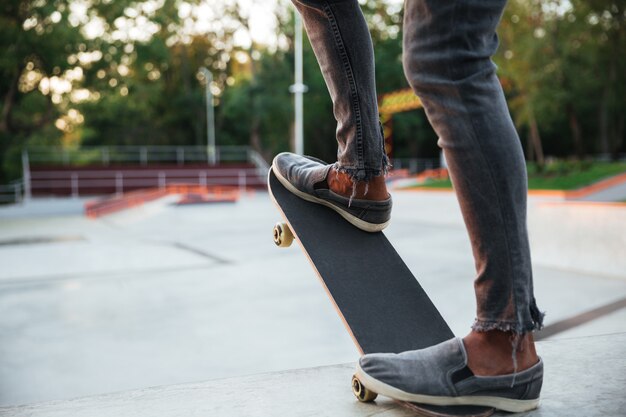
column 283, row 236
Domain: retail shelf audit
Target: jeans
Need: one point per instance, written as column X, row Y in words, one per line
column 448, row 46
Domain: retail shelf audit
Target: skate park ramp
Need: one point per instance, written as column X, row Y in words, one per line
column 162, row 295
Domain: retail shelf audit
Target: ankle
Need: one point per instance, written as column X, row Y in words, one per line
column 491, row 353
column 341, row 183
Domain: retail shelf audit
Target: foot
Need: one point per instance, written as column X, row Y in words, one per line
column 340, row 183
column 490, row 353
column 440, row 375
column 313, row 180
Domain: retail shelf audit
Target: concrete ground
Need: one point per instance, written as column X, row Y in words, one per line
column 165, row 294
column 576, row 383
column 616, row 193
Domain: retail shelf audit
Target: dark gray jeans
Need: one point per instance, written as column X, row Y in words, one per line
column 448, row 46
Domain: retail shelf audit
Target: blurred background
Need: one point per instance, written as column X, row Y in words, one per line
column 135, row 230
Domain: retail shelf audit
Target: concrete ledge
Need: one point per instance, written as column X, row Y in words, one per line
column 579, row 236
column 584, row 376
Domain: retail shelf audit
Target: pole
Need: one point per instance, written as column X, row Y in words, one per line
column 210, row 117
column 298, row 88
column 26, row 175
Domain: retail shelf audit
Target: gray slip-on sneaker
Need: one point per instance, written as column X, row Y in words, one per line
column 305, row 177
column 439, row 375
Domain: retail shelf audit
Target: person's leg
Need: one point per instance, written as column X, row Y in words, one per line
column 343, row 47
column 447, row 60
column 354, row 186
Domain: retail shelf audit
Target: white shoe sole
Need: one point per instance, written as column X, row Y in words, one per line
column 361, row 224
column 505, row 404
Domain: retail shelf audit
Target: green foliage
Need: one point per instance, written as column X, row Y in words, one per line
column 412, row 136
column 559, row 175
column 570, row 175
column 561, row 63
column 36, row 41
column 439, row 184
column 319, row 122
column 263, row 101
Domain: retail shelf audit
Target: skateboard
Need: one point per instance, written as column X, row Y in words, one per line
column 380, row 302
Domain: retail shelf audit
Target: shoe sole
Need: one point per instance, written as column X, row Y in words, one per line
column 359, row 223
column 505, row 404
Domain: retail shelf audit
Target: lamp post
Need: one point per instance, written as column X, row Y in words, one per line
column 298, row 88
column 210, row 118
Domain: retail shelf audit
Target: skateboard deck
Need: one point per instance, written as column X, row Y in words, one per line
column 380, row 302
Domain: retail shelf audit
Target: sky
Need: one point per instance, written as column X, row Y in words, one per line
column 199, row 19
column 261, row 13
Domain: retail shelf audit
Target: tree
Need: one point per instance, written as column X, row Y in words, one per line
column 36, row 39
column 115, row 73
column 559, row 63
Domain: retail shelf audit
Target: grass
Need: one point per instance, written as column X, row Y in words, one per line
column 559, row 175
column 437, row 184
column 570, row 176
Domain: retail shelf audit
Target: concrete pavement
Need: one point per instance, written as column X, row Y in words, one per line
column 583, row 377
column 164, row 294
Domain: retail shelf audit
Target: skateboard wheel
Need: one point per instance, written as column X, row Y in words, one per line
column 282, row 235
column 360, row 392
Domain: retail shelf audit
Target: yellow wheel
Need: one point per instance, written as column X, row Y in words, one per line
column 282, row 235
column 360, row 392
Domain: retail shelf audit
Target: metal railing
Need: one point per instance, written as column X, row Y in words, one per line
column 89, row 183
column 605, row 157
column 415, row 165
column 94, row 182
column 74, row 175
column 141, row 155
column 119, row 179
column 12, row 193
column 256, row 158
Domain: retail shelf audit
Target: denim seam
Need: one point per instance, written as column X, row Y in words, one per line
column 343, row 55
column 491, row 177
